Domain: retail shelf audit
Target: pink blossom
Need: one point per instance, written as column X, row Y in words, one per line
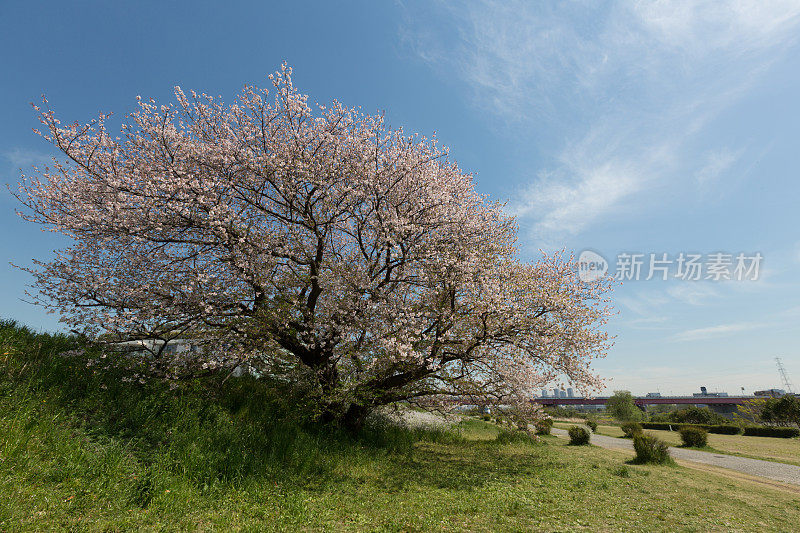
column 317, row 238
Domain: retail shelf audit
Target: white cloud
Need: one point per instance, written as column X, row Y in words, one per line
column 648, row 301
column 692, row 293
column 571, row 204
column 519, row 56
column 717, row 163
column 626, row 85
column 738, row 26
column 648, row 323
column 716, row 331
column 21, row 158
column 643, row 303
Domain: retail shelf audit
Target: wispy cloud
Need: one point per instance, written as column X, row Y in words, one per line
column 562, row 206
column 644, row 304
column 717, row 162
column 648, row 302
column 716, row 331
column 627, row 85
column 737, row 27
column 21, row 158
column 648, row 323
column 692, row 293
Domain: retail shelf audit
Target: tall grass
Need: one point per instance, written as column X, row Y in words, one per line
column 131, row 438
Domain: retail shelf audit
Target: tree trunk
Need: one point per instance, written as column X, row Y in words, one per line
column 354, row 417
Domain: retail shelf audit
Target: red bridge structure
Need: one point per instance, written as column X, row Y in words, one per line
column 720, row 404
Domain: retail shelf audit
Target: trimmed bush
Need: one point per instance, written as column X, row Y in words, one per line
column 544, row 426
column 766, row 431
column 659, row 425
column 578, row 436
column 631, row 429
column 592, row 425
column 694, row 437
column 664, row 426
column 723, row 429
column 650, row 449
column 726, row 429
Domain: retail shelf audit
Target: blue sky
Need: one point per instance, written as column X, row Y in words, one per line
column 619, row 127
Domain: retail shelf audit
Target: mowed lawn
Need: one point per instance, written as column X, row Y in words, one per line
column 773, row 449
column 68, row 480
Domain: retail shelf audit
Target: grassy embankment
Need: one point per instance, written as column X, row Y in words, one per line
column 80, row 449
column 768, row 448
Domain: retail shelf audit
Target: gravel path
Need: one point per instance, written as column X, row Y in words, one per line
column 754, row 467
column 412, row 418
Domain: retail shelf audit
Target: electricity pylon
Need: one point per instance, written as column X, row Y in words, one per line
column 784, row 376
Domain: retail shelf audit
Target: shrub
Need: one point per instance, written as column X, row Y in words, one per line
column 544, row 426
column 650, row 449
column 766, row 431
column 697, row 415
column 693, row 436
column 782, row 411
column 487, row 418
column 724, row 429
column 592, row 425
column 631, row 429
column 622, row 406
column 658, row 417
column 578, row 436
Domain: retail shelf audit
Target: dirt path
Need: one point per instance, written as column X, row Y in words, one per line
column 752, row 467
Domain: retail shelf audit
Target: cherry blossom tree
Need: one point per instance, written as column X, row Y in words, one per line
column 315, row 242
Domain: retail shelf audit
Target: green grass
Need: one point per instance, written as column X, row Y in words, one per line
column 77, row 456
column 767, row 448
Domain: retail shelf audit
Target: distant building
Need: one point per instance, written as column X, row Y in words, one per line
column 653, row 395
column 143, row 346
column 562, row 394
column 704, row 392
column 555, row 393
column 770, row 393
column 544, row 393
column 569, row 393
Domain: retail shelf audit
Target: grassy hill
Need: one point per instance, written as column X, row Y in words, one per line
column 83, row 448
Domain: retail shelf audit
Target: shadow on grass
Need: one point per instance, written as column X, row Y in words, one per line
column 471, row 465
column 639, row 462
